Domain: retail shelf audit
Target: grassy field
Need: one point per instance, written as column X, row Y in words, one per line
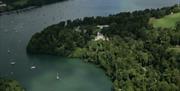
column 168, row 21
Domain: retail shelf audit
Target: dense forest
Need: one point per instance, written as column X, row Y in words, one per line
column 19, row 4
column 134, row 54
column 10, row 85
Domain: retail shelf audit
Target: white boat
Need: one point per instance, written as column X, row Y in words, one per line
column 33, row 67
column 57, row 76
column 8, row 51
column 13, row 63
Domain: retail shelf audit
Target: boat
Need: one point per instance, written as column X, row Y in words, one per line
column 57, row 76
column 13, row 63
column 8, row 51
column 33, row 67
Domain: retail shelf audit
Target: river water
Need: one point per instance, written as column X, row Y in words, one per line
column 75, row 75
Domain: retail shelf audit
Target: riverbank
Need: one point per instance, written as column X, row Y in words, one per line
column 19, row 6
column 18, row 11
column 136, row 55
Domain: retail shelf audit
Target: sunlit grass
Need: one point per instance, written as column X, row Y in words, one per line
column 168, row 21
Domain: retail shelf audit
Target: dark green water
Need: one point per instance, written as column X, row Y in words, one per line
column 16, row 30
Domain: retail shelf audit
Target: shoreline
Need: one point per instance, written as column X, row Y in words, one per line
column 26, row 8
column 18, row 10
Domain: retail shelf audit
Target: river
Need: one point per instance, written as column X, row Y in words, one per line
column 75, row 75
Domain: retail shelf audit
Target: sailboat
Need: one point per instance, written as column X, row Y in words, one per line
column 57, row 76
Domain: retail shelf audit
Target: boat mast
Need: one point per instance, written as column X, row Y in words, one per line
column 57, row 76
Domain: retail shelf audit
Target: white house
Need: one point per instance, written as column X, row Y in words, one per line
column 102, row 26
column 100, row 37
column 2, row 4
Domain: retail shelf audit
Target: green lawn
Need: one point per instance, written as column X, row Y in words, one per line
column 168, row 21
